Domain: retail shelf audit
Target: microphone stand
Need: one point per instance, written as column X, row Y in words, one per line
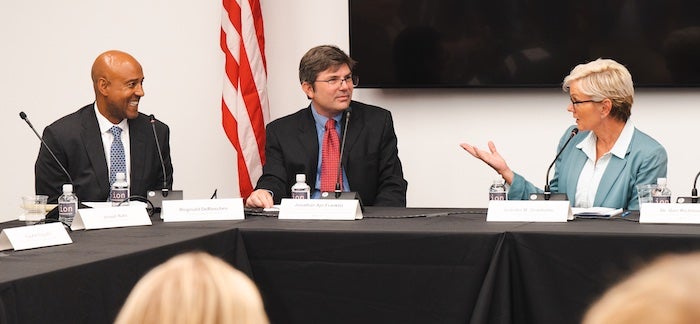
column 26, row 119
column 51, row 216
column 164, row 190
column 694, row 192
column 547, row 190
column 339, row 194
column 338, row 181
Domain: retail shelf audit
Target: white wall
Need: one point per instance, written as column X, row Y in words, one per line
column 49, row 46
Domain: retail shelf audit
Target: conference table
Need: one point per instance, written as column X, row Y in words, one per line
column 397, row 265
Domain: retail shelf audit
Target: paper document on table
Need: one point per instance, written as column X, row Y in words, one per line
column 596, row 211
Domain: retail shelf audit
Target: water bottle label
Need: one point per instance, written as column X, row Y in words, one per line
column 118, row 195
column 66, row 209
column 497, row 196
column 300, row 195
column 661, row 199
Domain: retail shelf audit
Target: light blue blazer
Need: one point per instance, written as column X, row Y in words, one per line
column 644, row 162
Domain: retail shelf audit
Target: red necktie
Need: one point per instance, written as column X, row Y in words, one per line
column 330, row 157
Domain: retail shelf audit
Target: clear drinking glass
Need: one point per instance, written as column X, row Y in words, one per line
column 644, row 193
column 34, row 208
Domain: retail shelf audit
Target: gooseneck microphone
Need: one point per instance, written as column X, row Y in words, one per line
column 339, row 179
column 694, row 192
column 160, row 155
column 24, row 116
column 547, row 192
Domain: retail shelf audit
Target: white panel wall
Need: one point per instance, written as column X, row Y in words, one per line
column 49, row 46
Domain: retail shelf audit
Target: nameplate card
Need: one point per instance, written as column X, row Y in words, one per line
column 202, row 210
column 34, row 236
column 528, row 211
column 320, row 209
column 669, row 213
column 110, row 217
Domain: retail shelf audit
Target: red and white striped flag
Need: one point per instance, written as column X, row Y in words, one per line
column 244, row 104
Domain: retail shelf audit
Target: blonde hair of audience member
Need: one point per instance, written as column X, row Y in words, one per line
column 666, row 292
column 193, row 288
column 605, row 78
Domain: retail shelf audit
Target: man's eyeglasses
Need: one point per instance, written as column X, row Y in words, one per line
column 337, row 82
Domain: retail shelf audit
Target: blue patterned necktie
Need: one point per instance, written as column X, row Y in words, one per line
column 116, row 155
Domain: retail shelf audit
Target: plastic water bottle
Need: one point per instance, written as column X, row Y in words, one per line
column 301, row 190
column 661, row 193
column 119, row 195
column 67, row 205
column 497, row 191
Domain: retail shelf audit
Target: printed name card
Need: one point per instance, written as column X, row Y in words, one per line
column 529, row 211
column 320, row 209
column 202, row 210
column 34, row 236
column 110, row 217
column 670, row 213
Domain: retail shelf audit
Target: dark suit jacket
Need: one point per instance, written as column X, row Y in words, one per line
column 77, row 143
column 370, row 159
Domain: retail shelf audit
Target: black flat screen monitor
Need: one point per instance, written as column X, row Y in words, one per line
column 521, row 43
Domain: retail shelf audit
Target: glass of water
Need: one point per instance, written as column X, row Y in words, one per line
column 34, row 208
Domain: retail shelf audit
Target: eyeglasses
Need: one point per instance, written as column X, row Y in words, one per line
column 582, row 101
column 337, row 82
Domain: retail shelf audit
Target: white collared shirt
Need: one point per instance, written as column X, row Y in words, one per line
column 592, row 172
column 107, row 139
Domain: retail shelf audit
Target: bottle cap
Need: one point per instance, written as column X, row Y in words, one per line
column 121, row 176
column 67, row 188
column 301, row 177
column 661, row 181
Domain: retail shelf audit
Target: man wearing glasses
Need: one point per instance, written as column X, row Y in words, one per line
column 309, row 141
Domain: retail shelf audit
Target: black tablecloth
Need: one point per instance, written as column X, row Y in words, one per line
column 394, row 266
column 88, row 281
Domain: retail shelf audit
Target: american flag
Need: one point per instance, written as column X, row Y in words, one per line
column 244, row 104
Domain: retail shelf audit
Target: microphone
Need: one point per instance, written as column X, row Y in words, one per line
column 51, row 216
column 160, row 155
column 694, row 192
column 339, row 194
column 156, row 196
column 338, row 180
column 547, row 192
column 24, row 116
column 693, row 199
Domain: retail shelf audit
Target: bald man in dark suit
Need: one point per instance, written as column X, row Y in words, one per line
column 81, row 140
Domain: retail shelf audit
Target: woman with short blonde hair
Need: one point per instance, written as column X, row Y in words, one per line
column 608, row 156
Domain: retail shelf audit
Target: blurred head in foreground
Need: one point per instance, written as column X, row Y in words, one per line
column 193, row 288
column 666, row 291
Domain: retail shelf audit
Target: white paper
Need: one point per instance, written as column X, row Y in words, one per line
column 596, row 211
column 528, row 211
column 320, row 209
column 202, row 210
column 34, row 236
